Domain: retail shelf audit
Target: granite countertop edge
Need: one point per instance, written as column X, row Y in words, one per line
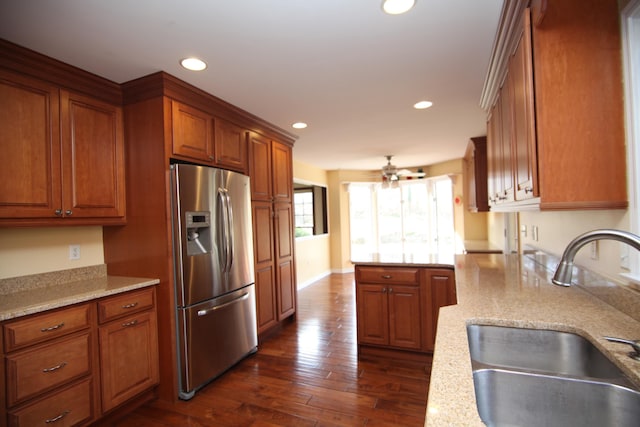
column 25, row 295
column 511, row 290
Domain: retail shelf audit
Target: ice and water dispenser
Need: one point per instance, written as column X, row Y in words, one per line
column 198, row 232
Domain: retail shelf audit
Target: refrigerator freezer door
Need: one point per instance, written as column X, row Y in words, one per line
column 214, row 335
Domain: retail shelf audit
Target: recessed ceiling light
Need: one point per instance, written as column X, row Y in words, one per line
column 422, row 105
column 396, row 7
column 299, row 125
column 193, row 64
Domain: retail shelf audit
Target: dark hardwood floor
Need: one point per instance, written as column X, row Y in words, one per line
column 307, row 375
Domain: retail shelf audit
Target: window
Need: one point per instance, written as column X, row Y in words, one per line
column 303, row 200
column 310, row 209
column 415, row 217
column 630, row 20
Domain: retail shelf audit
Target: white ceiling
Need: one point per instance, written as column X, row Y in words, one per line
column 350, row 71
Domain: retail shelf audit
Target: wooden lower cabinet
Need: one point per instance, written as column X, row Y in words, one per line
column 397, row 307
column 72, row 365
column 128, row 358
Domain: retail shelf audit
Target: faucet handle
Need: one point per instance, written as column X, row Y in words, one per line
column 635, row 344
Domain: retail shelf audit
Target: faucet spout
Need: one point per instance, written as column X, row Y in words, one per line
column 564, row 271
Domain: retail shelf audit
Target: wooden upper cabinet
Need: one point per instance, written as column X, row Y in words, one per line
column 230, row 146
column 523, row 129
column 281, row 156
column 30, row 178
column 199, row 136
column 271, row 169
column 93, row 158
column 63, row 156
column 260, row 167
column 192, row 132
column 565, row 124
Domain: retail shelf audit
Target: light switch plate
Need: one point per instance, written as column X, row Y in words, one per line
column 74, row 252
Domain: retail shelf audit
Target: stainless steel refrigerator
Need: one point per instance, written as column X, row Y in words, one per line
column 214, row 275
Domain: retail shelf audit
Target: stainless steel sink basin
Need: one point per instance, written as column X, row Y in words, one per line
column 539, row 350
column 532, row 377
column 510, row 398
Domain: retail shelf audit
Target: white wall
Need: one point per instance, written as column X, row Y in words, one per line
column 557, row 229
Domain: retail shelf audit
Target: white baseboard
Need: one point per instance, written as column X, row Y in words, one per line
column 313, row 279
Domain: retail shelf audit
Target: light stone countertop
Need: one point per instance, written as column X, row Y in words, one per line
column 513, row 290
column 21, row 296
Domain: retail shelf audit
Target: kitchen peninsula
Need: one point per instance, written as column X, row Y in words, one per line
column 514, row 290
column 397, row 302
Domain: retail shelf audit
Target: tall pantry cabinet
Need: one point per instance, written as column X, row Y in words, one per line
column 271, row 173
column 168, row 120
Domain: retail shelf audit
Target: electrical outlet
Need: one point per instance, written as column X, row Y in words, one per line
column 74, row 252
column 523, row 231
column 594, row 250
column 624, row 256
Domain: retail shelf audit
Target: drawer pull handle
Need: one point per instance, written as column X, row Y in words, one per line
column 54, row 368
column 52, row 328
column 58, row 418
column 386, row 276
column 133, row 322
column 133, row 304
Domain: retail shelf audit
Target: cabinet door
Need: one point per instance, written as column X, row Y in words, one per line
column 282, row 172
column 192, row 132
column 505, row 170
column 260, row 167
column 285, row 273
column 230, row 146
column 92, row 158
column 30, row 179
column 128, row 358
column 372, row 312
column 441, row 288
column 264, row 265
column 524, row 135
column 404, row 316
column 494, row 142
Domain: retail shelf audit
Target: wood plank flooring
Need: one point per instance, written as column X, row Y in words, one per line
column 307, row 375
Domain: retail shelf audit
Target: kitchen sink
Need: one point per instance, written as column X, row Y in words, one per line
column 539, row 350
column 531, row 377
column 511, row 398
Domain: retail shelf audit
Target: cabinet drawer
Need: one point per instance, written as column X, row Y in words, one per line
column 46, row 366
column 125, row 304
column 42, row 327
column 404, row 276
column 69, row 407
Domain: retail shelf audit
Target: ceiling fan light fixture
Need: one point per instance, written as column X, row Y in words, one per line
column 193, row 64
column 397, row 7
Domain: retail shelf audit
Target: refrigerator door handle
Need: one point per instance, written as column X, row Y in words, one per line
column 230, row 235
column 226, row 304
column 224, row 203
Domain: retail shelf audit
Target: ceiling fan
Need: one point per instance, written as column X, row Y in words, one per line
column 391, row 173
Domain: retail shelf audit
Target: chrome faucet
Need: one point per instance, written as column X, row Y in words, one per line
column 564, row 271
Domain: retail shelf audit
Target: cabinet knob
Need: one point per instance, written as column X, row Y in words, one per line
column 390, row 290
column 58, row 212
column 211, row 157
column 68, row 212
column 384, row 290
column 528, row 190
